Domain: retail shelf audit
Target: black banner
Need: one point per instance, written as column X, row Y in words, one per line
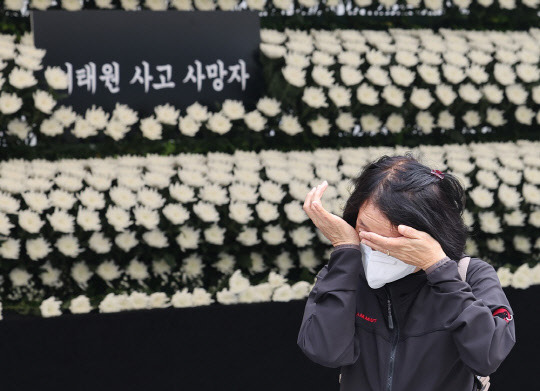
column 147, row 58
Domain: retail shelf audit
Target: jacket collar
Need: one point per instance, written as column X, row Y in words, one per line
column 404, row 286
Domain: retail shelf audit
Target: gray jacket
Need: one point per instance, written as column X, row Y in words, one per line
column 426, row 331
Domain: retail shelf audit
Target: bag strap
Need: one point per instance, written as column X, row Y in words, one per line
column 482, row 382
column 463, row 264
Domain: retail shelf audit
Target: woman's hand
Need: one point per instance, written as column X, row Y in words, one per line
column 337, row 230
column 415, row 247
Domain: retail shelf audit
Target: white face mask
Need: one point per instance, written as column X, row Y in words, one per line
column 381, row 268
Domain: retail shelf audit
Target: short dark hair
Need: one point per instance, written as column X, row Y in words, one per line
column 406, row 192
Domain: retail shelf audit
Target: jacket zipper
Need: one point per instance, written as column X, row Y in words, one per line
column 394, row 343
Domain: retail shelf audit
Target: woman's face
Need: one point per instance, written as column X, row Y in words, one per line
column 371, row 219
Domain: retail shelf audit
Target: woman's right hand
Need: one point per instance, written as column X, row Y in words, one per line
column 337, row 230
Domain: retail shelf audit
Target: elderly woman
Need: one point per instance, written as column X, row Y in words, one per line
column 390, row 308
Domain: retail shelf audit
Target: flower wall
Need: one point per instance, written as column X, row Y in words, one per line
column 324, row 88
column 187, row 223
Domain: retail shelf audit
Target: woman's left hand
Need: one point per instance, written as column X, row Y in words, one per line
column 415, row 247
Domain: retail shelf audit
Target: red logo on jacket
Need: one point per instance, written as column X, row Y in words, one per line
column 372, row 320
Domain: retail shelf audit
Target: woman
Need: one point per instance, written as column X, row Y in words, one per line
column 390, row 308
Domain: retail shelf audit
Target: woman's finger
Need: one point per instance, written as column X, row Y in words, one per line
column 409, row 232
column 373, row 246
column 383, row 241
column 318, row 193
column 307, row 201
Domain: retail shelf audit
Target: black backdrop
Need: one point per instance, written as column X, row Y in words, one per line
column 243, row 347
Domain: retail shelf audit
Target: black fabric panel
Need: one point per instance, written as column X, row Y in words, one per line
column 242, row 347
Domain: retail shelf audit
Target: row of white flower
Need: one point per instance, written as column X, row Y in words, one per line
column 262, row 5
column 239, row 290
column 490, row 74
column 25, row 59
column 47, row 207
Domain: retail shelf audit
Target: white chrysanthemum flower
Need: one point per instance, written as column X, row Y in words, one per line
column 56, row 78
column 446, row 120
column 255, row 121
column 188, row 238
column 322, row 76
column 509, row 196
column 487, row 179
column 367, row 95
column 489, row 222
column 294, row 76
column 495, row 117
column 421, row 98
column 302, row 236
column 469, row 93
column 21, row 78
column 350, row 76
column 238, row 283
column 219, row 124
column 10, row 103
column 481, row 196
column 524, row 115
column 225, row 263
column 314, row 97
column 395, row 123
column 401, row 75
column 146, row 217
column 151, row 128
column 158, row 300
column 471, row 118
column 515, row 219
column 393, row 95
column 111, row 302
column 273, row 235
column 283, row 293
column 340, row 96
column 320, row 126
column 61, row 221
column 50, row 307
column 80, row 305
column 30, row 221
column 504, row 74
column 81, row 274
column 92, row 199
column 233, row 109
column 137, row 270
column 445, row 94
column 108, row 270
column 269, row 106
column 248, row 237
column 521, row 279
column 308, row 260
column 192, row 267
column 290, row 125
column 214, row 234
column 377, row 75
column 206, row 211
column 505, row 276
column 345, row 122
column 522, row 244
column 19, row 128
column 182, row 299
column 37, row 248
column 425, row 121
column 10, row 248
column 188, row 126
column 531, row 194
column 155, row 238
column 166, row 114
column 370, row 123
column 161, row 268
column 492, row 93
